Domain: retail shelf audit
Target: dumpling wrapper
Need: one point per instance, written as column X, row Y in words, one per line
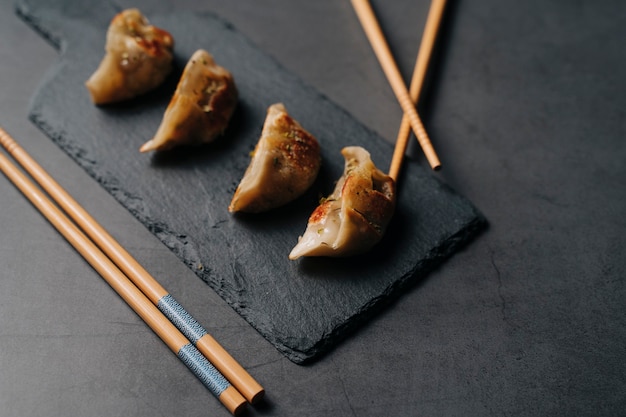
column 201, row 107
column 138, row 59
column 355, row 216
column 285, row 163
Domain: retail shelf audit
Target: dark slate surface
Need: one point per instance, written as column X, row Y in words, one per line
column 303, row 308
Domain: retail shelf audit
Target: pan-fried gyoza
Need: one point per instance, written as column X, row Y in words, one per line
column 138, row 59
column 285, row 163
column 201, row 107
column 355, row 216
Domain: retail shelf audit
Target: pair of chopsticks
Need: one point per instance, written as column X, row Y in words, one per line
column 202, row 354
column 407, row 99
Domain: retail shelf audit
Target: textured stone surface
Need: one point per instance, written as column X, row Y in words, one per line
column 303, row 308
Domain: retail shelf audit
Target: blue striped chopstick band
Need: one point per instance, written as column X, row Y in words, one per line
column 202, row 368
column 181, row 319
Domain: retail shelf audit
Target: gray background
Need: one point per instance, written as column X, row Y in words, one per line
column 527, row 112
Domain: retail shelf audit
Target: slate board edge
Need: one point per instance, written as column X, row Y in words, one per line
column 171, row 241
column 412, row 279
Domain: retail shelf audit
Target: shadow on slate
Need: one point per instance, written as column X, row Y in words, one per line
column 303, row 308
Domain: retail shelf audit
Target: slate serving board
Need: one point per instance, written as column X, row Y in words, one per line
column 303, row 308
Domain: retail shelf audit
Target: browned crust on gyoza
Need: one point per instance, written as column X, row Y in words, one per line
column 290, row 164
column 138, row 59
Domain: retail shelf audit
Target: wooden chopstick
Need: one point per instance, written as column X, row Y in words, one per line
column 157, row 295
column 429, row 36
column 381, row 49
column 173, row 338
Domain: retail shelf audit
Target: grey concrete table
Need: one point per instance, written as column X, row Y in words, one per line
column 527, row 112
